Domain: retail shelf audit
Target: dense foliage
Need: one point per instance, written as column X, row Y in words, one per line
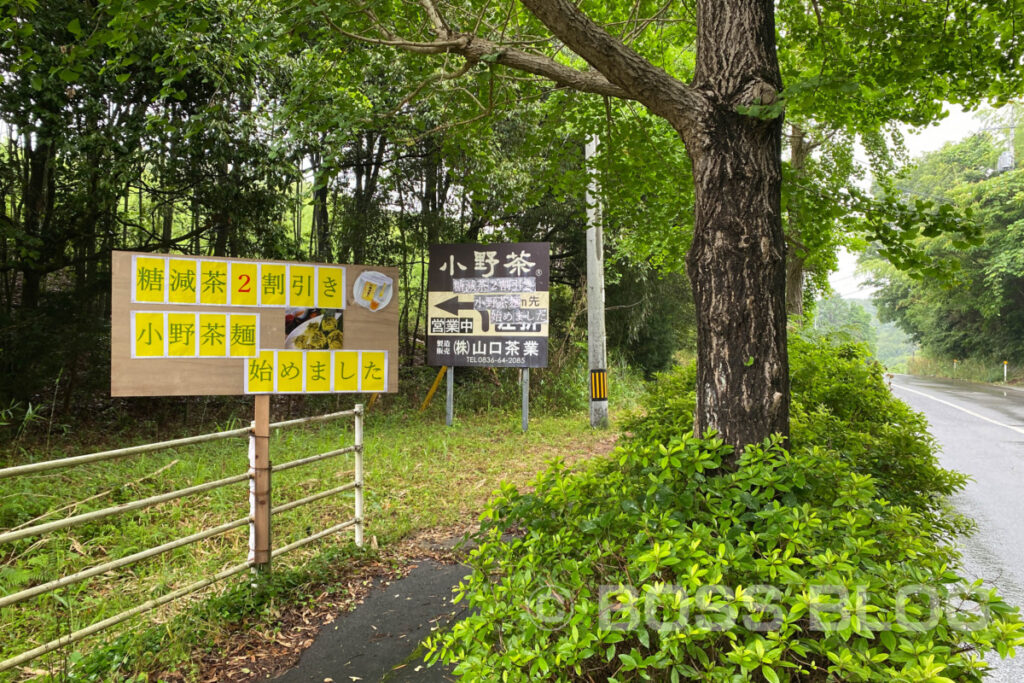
column 979, row 312
column 826, row 561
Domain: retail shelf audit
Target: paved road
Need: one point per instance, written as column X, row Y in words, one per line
column 381, row 640
column 981, row 430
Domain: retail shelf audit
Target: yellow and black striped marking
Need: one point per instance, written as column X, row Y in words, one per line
column 598, row 385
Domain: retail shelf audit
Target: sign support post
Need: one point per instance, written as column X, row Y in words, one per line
column 449, row 402
column 259, row 485
column 524, row 380
column 597, row 352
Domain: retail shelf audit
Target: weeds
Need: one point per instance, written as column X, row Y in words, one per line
column 418, row 475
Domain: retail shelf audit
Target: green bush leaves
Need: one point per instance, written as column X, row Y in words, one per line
column 825, row 561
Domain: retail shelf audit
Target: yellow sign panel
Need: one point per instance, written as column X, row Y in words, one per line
column 148, row 335
column 373, row 371
column 290, row 371
column 245, row 286
column 150, row 279
column 181, row 281
column 284, row 372
column 171, row 311
column 318, row 371
column 213, row 282
column 190, row 281
column 330, row 287
column 213, row 335
column 259, row 374
column 346, row 371
column 181, row 335
column 301, row 288
column 273, row 284
column 244, row 335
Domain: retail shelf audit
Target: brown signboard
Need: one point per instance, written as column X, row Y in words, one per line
column 188, row 325
column 488, row 305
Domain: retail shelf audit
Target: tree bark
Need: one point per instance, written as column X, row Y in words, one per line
column 737, row 262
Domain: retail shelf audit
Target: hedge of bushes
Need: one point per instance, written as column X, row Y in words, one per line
column 828, row 560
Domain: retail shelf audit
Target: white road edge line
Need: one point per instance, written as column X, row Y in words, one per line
column 953, row 405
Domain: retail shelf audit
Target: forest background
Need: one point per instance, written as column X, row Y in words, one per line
column 238, row 133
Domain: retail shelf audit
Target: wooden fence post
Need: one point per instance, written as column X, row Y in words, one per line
column 259, row 485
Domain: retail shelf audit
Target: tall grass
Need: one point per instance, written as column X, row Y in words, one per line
column 970, row 369
column 419, row 474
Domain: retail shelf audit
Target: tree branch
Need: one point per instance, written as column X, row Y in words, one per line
column 661, row 93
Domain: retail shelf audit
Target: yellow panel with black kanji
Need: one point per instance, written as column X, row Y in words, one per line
column 150, row 279
column 213, row 282
column 301, row 291
column 290, row 365
column 346, row 371
column 330, row 287
column 273, row 285
column 373, row 371
column 181, row 281
column 181, row 335
column 259, row 374
column 148, row 335
column 318, row 371
column 213, row 335
column 244, row 335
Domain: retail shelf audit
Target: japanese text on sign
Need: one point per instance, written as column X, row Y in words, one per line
column 488, row 305
column 194, row 335
column 283, row 372
column 197, row 281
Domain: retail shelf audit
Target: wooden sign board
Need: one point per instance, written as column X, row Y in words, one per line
column 203, row 326
column 488, row 305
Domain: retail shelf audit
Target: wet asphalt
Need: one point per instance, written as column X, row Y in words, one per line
column 381, row 640
column 980, row 429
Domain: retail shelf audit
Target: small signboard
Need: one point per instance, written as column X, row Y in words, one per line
column 488, row 305
column 184, row 325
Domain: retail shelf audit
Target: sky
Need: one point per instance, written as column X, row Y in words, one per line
column 958, row 125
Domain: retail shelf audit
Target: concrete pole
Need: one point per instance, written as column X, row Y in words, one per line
column 597, row 351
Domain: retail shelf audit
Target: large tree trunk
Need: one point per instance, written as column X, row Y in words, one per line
column 737, row 262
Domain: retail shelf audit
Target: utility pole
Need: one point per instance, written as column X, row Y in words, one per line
column 597, row 351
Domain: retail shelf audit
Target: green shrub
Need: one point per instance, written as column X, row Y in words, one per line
column 802, row 565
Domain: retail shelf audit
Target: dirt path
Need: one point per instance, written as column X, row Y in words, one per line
column 359, row 630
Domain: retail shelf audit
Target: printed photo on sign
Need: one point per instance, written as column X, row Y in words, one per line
column 313, row 328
